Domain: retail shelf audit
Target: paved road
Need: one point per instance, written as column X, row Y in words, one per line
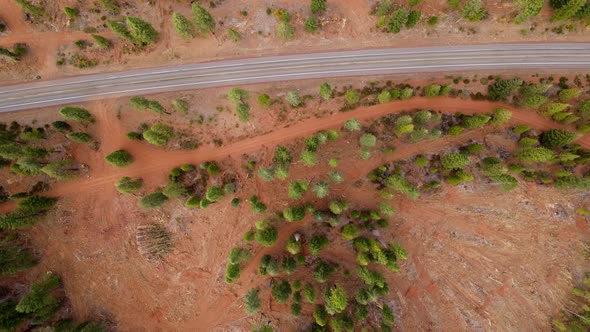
column 291, row 67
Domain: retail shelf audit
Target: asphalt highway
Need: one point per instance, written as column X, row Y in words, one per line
column 294, row 67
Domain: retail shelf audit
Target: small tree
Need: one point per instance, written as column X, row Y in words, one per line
column 352, row 96
column 311, row 25
column 203, row 19
column 336, row 177
column 78, row 114
column 297, row 189
column 338, row 206
column 264, row 100
column 349, row 231
column 293, row 99
column 322, row 272
column 101, row 41
column 317, row 243
column 475, row 121
column 127, row 185
column 119, row 158
column 40, row 301
column 321, row 189
column 237, row 95
column 252, row 302
column 336, row 299
column 139, row 103
column 432, row 90
column 567, row 94
column 454, row 161
column 174, row 190
column 318, row 6
column 397, row 20
column 293, row 246
column 555, row 138
column 62, row 170
column 158, row 134
column 141, row 31
column 243, row 112
column 500, row 116
column 183, row 26
column 71, row 13
column 368, row 140
column 326, row 91
column 406, row 93
column 79, row 137
column 120, row 29
column 282, row 155
column 285, row 31
column 281, row 291
column 569, row 9
column 503, row 88
column 533, row 155
column 267, row 236
column 352, row 125
column 473, row 10
column 153, row 200
column 384, row 97
column 320, row 315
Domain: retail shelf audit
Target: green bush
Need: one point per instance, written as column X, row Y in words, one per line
column 29, row 8
column 293, row 246
column 252, row 302
column 297, row 189
column 40, row 302
column 282, row 155
column 454, row 161
column 101, row 41
column 318, row 6
column 567, row 94
column 322, row 272
column 180, row 105
column 317, row 243
column 384, row 97
column 202, row 19
column 500, row 116
column 119, row 158
column 413, row 18
column 78, row 114
column 79, row 137
column 308, row 158
column 285, row 31
column 352, row 125
column 568, row 10
column 352, row 96
column 183, row 26
column 293, row 98
column 397, row 20
column 473, row 10
column 326, row 91
column 432, row 90
column 503, row 88
column 153, row 200
column 267, row 236
column 311, row 25
column 336, row 299
column 533, row 101
column 141, row 31
column 349, row 231
column 533, row 155
column 309, row 293
column 555, row 138
column 320, row 315
column 158, row 134
column 61, row 126
column 475, row 121
column 111, row 6
column 336, row 177
column 338, row 206
column 174, row 190
column 264, row 100
column 71, row 13
column 368, row 140
column 528, row 9
column 265, row 174
column 127, row 185
column 281, row 291
column 321, row 189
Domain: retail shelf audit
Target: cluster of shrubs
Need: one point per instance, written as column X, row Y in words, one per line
column 393, row 20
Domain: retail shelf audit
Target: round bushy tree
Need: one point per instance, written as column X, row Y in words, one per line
column 267, row 236
column 119, row 158
column 454, row 161
column 336, row 299
column 281, row 291
column 555, row 138
column 153, row 200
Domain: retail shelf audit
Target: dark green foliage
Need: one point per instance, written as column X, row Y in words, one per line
column 17, row 52
column 294, row 214
column 61, row 170
column 399, row 184
column 121, row 30
column 174, row 190
column 532, row 155
column 282, row 155
column 289, row 265
column 32, row 134
column 572, row 182
column 29, row 210
column 61, row 126
column 153, row 200
column 13, row 257
column 527, row 9
column 119, row 158
column 127, row 185
column 503, row 88
column 40, row 301
column 311, row 25
column 139, row 103
column 183, row 26
column 264, row 100
column 317, row 243
column 309, row 293
column 10, row 319
column 111, row 6
column 475, row 121
column 202, row 19
column 71, row 13
column 134, row 136
column 214, row 194
column 473, row 10
column 79, row 137
column 141, row 31
column 267, row 236
column 397, row 20
column 101, row 41
column 326, row 91
column 243, row 112
column 257, row 205
column 252, row 302
column 76, row 114
column 568, row 10
column 318, row 6
column 297, row 189
column 413, row 18
column 555, row 138
column 281, row 291
column 29, row 8
column 322, row 272
column 500, row 116
column 454, row 161
column 320, row 315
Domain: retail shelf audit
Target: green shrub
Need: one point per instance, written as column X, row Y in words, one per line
column 384, row 97
column 76, row 114
column 338, row 206
column 153, row 200
column 317, row 243
column 326, row 91
column 413, row 18
column 297, row 189
column 349, row 231
column 293, row 98
column 336, row 299
column 71, row 13
column 567, row 94
column 533, row 101
column 183, row 26
column 285, row 31
column 174, row 190
column 318, row 6
column 352, row 96
column 282, row 155
column 568, row 10
column 503, row 88
column 119, row 158
column 202, row 19
column 454, row 161
column 532, row 155
column 321, row 189
column 527, row 9
column 336, row 177
column 308, row 158
column 293, row 246
column 473, row 10
column 252, row 302
column 432, row 21
column 311, row 25
column 40, row 302
column 322, row 272
column 127, row 185
column 265, row 174
column 368, row 140
column 79, row 137
column 281, row 291
column 61, row 126
column 141, row 31
column 267, row 236
column 475, row 121
column 29, row 8
column 309, row 293
column 320, row 315
column 500, row 116
column 352, row 125
column 158, row 134
column 432, row 90
column 111, row 6
column 397, row 20
column 264, row 100
column 555, row 138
